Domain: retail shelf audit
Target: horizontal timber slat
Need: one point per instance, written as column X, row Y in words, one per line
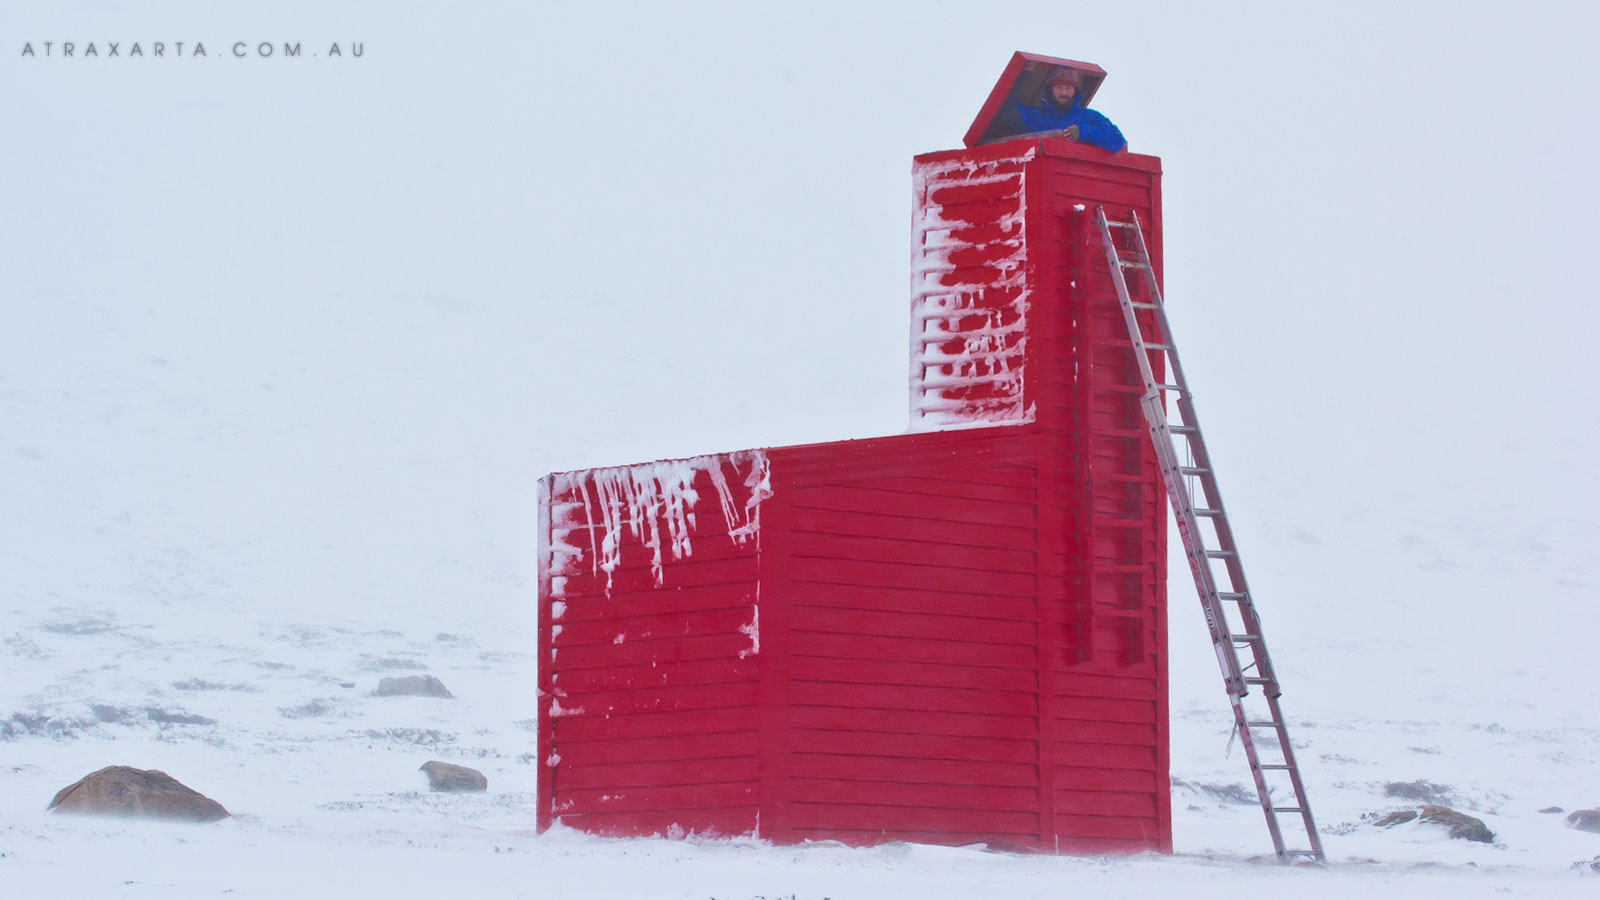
column 934, row 699
column 1073, row 685
column 909, row 527
column 661, row 626
column 1075, row 778
column 654, row 773
column 1103, row 756
column 685, row 573
column 710, row 822
column 860, row 646
column 715, row 646
column 915, row 746
column 576, row 683
column 873, row 837
column 916, row 722
column 959, row 484
column 910, row 818
column 921, row 506
column 922, row 550
column 626, row 605
column 1106, row 803
column 1136, row 733
column 886, row 672
column 652, row 799
column 634, row 556
column 1101, row 709
column 1089, row 826
column 717, row 696
column 821, row 593
column 817, row 790
column 903, row 770
column 914, row 625
column 924, row 577
column 680, row 747
column 625, row 726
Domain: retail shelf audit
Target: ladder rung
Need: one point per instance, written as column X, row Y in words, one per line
column 1288, row 809
column 1261, row 723
column 1131, row 263
column 1137, row 305
column 1192, row 470
column 1235, row 596
column 1279, row 767
column 1260, row 680
column 1153, row 346
column 1221, row 554
column 1208, row 513
column 1244, row 638
column 1115, row 224
column 1161, row 386
column 1314, row 854
column 1183, row 429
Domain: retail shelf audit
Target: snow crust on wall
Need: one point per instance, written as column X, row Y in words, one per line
column 592, row 511
column 969, row 294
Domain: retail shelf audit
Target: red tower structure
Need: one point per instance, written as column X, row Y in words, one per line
column 948, row 636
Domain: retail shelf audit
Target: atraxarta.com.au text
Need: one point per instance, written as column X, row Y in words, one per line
column 184, row 49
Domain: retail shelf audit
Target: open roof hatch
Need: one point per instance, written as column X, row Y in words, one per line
column 1023, row 82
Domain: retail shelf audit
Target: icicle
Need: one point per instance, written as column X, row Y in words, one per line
column 656, row 503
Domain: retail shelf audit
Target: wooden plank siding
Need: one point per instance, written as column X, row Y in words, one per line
column 913, row 648
column 1106, row 720
column 650, row 722
column 950, row 636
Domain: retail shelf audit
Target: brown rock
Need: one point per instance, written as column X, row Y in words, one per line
column 1552, row 809
column 1585, row 820
column 443, row 776
column 1462, row 826
column 413, row 686
column 126, row 791
column 1399, row 817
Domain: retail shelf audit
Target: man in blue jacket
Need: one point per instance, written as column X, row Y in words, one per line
column 1063, row 111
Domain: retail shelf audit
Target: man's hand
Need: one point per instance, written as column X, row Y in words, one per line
column 1070, row 132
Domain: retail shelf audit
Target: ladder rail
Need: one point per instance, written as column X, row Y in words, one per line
column 1162, row 435
column 1166, row 454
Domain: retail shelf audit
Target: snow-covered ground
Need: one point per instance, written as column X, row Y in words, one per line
column 286, row 344
column 276, row 718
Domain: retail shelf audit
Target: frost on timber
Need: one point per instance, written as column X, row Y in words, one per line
column 969, row 297
column 752, row 631
column 655, row 504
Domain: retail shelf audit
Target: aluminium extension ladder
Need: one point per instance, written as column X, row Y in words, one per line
column 1227, row 642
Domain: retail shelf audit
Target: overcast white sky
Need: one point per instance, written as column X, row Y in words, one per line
column 308, row 330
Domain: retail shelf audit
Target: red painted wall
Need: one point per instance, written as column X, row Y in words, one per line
column 950, row 636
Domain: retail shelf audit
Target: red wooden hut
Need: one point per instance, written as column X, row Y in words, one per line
column 948, row 636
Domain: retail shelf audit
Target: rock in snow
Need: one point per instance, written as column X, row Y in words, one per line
column 1585, row 820
column 443, row 776
column 413, row 686
column 1461, row 825
column 126, row 791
